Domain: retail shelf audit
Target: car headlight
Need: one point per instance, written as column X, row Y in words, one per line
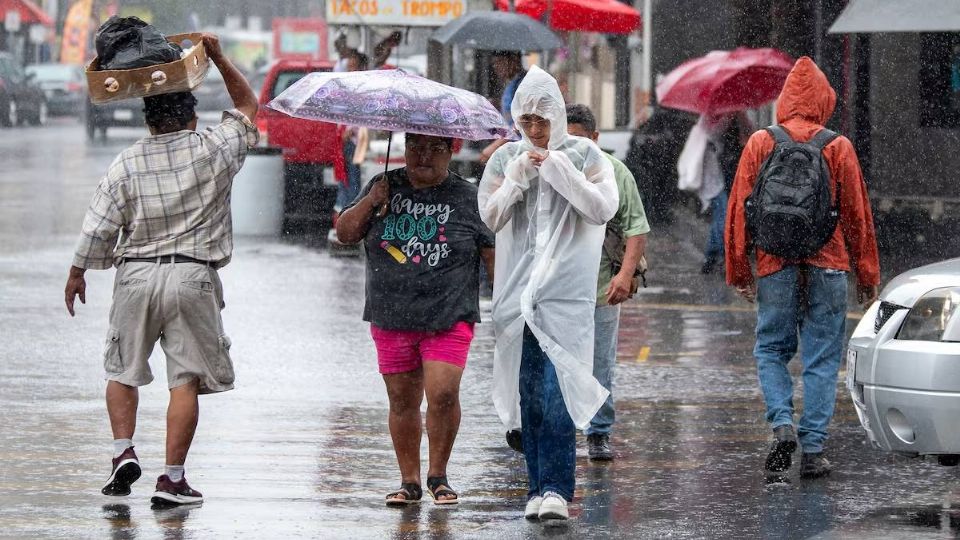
column 928, row 318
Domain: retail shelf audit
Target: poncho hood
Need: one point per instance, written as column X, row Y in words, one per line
column 539, row 94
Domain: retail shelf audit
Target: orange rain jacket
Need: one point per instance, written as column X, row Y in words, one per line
column 804, row 106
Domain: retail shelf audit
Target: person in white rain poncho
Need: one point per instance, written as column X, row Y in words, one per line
column 547, row 198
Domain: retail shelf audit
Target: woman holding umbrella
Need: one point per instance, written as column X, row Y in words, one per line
column 424, row 239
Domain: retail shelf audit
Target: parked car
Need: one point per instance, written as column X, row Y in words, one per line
column 63, row 85
column 21, row 99
column 309, row 151
column 122, row 113
column 903, row 364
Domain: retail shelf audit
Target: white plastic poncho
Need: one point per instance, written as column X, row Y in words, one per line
column 550, row 228
column 698, row 166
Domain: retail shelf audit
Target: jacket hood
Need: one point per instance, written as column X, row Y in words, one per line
column 539, row 94
column 806, row 94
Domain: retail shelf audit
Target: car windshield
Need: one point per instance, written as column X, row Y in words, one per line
column 285, row 80
column 54, row 72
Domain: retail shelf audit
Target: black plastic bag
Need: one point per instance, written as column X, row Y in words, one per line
column 128, row 42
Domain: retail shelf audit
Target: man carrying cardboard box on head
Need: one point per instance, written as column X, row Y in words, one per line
column 161, row 215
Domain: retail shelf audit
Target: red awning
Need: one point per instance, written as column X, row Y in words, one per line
column 603, row 16
column 29, row 12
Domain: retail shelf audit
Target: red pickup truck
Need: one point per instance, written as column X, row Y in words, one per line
column 308, row 148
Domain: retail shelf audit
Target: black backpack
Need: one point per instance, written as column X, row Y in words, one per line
column 790, row 213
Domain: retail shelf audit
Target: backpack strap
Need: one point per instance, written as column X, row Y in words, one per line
column 779, row 134
column 822, row 139
column 612, row 244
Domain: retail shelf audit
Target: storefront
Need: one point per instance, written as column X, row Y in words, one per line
column 26, row 31
column 906, row 70
column 595, row 69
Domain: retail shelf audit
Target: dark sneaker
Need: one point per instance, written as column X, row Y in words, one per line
column 170, row 492
column 814, row 465
column 515, row 440
column 779, row 458
column 126, row 471
column 599, row 447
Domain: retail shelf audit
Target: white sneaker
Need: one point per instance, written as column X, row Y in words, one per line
column 532, row 510
column 553, row 506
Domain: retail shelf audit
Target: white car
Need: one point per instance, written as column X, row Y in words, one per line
column 903, row 364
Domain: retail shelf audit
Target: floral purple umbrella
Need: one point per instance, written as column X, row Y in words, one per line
column 392, row 100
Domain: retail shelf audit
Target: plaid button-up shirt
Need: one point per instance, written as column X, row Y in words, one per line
column 168, row 195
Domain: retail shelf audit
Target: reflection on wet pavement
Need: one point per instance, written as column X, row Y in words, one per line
column 301, row 450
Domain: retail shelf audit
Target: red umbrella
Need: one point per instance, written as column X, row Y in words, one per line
column 603, row 16
column 725, row 81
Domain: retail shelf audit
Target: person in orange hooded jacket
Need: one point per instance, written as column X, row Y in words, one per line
column 803, row 301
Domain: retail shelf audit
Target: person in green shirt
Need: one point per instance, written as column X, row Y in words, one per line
column 628, row 228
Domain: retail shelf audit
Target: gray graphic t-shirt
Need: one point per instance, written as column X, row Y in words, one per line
column 423, row 256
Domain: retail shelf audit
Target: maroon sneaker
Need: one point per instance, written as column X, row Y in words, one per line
column 126, row 471
column 169, row 492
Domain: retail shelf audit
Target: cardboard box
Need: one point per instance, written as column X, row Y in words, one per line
column 178, row 76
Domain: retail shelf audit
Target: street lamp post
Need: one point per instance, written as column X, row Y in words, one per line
column 647, row 82
column 11, row 25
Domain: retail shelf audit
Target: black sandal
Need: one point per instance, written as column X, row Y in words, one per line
column 438, row 487
column 411, row 493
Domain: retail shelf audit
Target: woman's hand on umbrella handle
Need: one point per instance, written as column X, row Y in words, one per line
column 379, row 195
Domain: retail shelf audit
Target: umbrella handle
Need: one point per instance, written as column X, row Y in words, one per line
column 386, row 166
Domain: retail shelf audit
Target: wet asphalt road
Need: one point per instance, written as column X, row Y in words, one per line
column 300, row 449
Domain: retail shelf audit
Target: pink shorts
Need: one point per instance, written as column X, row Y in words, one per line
column 400, row 351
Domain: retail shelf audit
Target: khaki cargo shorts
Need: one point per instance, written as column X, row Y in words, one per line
column 178, row 304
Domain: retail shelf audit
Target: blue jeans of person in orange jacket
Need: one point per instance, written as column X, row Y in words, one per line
column 806, row 306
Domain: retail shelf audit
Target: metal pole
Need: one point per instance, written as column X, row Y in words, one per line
column 385, row 207
column 818, row 32
column 646, row 85
column 573, row 41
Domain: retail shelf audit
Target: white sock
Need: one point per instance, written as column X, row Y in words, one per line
column 119, row 445
column 174, row 472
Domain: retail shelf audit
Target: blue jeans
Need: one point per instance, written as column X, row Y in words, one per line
column 713, row 252
column 549, row 435
column 606, row 324
column 348, row 190
column 817, row 313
